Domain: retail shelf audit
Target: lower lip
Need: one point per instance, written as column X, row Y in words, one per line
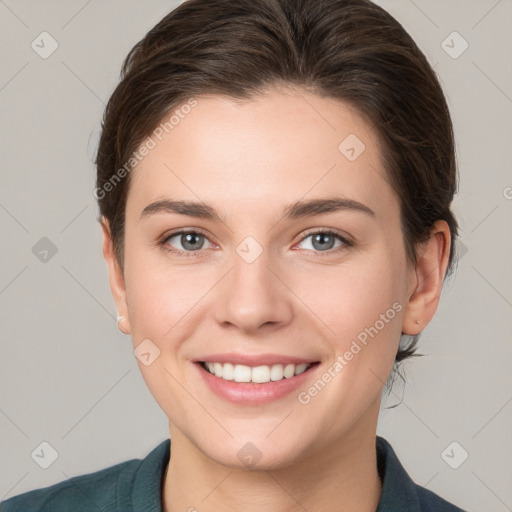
column 251, row 393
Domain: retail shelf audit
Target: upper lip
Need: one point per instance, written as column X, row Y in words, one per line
column 254, row 360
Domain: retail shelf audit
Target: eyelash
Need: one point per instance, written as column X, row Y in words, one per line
column 320, row 254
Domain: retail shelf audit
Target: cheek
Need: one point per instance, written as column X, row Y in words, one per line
column 360, row 309
column 161, row 305
column 159, row 301
column 348, row 299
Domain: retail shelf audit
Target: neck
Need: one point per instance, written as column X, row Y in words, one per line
column 341, row 476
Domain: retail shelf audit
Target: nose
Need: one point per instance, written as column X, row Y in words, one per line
column 254, row 295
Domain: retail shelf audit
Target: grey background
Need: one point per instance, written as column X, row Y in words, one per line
column 68, row 376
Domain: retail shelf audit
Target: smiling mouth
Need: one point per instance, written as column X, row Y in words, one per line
column 255, row 374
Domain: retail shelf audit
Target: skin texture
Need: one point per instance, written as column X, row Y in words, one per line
column 249, row 160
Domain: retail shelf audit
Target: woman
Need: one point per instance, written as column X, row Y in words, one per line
column 242, row 137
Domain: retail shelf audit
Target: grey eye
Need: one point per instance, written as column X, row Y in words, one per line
column 322, row 241
column 190, row 241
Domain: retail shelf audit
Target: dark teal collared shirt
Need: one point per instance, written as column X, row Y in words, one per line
column 136, row 486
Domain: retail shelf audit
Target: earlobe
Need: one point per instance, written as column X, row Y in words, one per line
column 121, row 324
column 116, row 279
column 430, row 269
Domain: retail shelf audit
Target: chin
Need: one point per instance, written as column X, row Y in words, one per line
column 256, row 455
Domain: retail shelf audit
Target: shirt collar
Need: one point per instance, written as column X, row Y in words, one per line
column 398, row 489
column 146, row 490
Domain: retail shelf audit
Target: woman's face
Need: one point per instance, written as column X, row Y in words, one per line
column 262, row 278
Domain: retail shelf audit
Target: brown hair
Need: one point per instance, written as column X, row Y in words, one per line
column 351, row 50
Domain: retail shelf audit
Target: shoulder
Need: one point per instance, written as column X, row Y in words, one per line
column 399, row 492
column 107, row 489
column 96, row 488
column 85, row 492
column 431, row 502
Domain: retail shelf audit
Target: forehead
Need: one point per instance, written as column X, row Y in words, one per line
column 277, row 147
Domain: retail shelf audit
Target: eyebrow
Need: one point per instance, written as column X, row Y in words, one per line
column 295, row 210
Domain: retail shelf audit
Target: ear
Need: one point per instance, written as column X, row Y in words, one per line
column 430, row 269
column 116, row 278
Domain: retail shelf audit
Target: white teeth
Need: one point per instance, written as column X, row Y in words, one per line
column 258, row 374
column 276, row 372
column 228, row 371
column 289, row 370
column 241, row 373
column 218, row 369
column 301, row 368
